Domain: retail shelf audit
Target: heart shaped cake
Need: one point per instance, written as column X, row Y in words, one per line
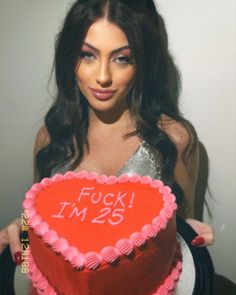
column 101, row 235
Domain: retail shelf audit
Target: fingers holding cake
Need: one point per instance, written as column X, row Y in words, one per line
column 10, row 235
column 205, row 233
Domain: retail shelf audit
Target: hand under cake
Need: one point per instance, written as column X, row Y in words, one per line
column 100, row 235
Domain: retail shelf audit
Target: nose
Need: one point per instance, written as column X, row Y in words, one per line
column 104, row 75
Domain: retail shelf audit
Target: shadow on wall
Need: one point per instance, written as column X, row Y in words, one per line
column 222, row 284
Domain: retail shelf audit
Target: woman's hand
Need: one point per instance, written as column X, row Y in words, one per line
column 205, row 233
column 10, row 235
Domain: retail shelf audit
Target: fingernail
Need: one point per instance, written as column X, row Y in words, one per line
column 17, row 258
column 198, row 241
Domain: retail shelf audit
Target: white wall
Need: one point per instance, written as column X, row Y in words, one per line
column 27, row 33
column 202, row 39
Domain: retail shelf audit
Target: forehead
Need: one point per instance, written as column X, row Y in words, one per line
column 103, row 34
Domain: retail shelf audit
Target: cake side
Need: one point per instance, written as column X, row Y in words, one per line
column 142, row 275
column 141, row 260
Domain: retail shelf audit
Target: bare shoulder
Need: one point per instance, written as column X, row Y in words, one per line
column 42, row 139
column 177, row 132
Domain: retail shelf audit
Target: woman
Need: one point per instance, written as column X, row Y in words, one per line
column 116, row 108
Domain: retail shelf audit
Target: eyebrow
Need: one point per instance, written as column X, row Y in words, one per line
column 113, row 51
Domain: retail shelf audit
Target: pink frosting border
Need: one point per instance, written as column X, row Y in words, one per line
column 92, row 260
column 43, row 287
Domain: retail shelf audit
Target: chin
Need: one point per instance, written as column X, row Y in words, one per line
column 107, row 106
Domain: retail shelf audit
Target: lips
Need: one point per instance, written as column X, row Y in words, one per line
column 102, row 94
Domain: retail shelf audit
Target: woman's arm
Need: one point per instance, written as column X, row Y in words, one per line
column 186, row 173
column 186, row 170
column 9, row 235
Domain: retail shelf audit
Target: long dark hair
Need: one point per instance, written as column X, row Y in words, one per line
column 155, row 90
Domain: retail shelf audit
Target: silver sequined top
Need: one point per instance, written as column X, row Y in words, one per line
column 144, row 161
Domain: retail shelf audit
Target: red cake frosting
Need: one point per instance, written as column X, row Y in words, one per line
column 100, row 235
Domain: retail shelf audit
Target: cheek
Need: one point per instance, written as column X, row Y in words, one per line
column 82, row 81
column 126, row 79
column 83, row 75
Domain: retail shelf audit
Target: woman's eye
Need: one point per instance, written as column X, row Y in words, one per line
column 123, row 59
column 87, row 56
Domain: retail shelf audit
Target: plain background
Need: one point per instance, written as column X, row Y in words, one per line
column 203, row 41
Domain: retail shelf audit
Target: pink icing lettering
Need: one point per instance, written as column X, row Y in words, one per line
column 85, row 191
column 131, row 200
column 78, row 213
column 110, row 195
column 95, row 200
column 119, row 199
column 117, row 218
column 59, row 215
column 99, row 219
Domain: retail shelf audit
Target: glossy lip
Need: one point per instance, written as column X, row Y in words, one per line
column 102, row 94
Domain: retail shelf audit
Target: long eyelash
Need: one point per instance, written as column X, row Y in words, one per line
column 85, row 53
column 82, row 54
column 126, row 59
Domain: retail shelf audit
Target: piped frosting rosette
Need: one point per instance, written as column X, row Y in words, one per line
column 109, row 254
column 43, row 287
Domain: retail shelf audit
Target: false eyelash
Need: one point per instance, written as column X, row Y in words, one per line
column 125, row 59
column 85, row 53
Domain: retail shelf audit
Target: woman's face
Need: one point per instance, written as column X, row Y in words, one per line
column 105, row 69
